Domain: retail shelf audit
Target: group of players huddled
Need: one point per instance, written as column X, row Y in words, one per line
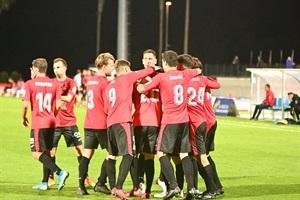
column 137, row 115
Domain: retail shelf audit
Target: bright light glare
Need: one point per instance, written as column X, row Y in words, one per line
column 168, row 3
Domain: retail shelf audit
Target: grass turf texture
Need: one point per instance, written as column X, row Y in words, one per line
column 255, row 160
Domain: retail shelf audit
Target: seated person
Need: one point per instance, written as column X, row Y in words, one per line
column 267, row 102
column 295, row 105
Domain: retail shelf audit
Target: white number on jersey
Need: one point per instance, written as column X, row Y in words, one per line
column 178, row 94
column 44, row 101
column 195, row 97
column 90, row 99
column 112, row 96
column 154, row 96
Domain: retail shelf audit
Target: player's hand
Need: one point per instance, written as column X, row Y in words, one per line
column 25, row 122
column 157, row 68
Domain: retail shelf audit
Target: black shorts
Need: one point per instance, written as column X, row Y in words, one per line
column 121, row 139
column 145, row 138
column 174, row 138
column 71, row 135
column 197, row 137
column 41, row 139
column 210, row 138
column 94, row 137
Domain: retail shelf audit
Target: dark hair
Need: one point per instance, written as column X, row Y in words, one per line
column 290, row 93
column 268, row 85
column 186, row 59
column 170, row 57
column 62, row 60
column 197, row 63
column 149, row 51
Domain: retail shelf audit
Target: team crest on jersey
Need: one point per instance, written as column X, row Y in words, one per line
column 64, row 88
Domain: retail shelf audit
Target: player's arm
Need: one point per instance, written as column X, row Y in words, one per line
column 58, row 101
column 25, row 105
column 154, row 83
column 71, row 93
column 67, row 98
column 58, row 104
column 134, row 76
column 212, row 83
column 190, row 73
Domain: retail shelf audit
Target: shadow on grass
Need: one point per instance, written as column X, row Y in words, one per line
column 261, row 190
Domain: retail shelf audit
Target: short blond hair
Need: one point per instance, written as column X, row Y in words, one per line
column 102, row 59
column 41, row 64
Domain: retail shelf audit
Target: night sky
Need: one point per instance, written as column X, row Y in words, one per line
column 219, row 29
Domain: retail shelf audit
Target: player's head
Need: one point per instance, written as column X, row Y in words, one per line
column 59, row 67
column 169, row 60
column 149, row 58
column 267, row 87
column 105, row 63
column 185, row 61
column 122, row 66
column 290, row 96
column 39, row 66
column 197, row 63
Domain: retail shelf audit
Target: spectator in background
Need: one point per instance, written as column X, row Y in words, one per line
column 9, row 85
column 295, row 105
column 78, row 79
column 86, row 75
column 267, row 102
column 236, row 64
column 260, row 62
column 20, row 87
column 289, row 62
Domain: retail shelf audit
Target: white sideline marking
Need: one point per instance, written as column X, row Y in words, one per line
column 234, row 123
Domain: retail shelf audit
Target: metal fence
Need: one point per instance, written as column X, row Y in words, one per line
column 232, row 70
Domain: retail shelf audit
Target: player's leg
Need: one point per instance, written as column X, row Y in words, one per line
column 179, row 173
column 42, row 141
column 187, row 166
column 112, row 157
column 134, row 168
column 73, row 139
column 210, row 147
column 149, row 144
column 101, row 183
column 57, row 135
column 255, row 112
column 90, row 144
column 124, row 137
column 165, row 144
column 203, row 161
column 260, row 108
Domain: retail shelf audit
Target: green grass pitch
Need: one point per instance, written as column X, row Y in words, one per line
column 255, row 160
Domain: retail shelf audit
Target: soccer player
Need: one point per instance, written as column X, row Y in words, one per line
column 146, row 122
column 66, row 122
column 95, row 129
column 174, row 132
column 210, row 137
column 267, row 102
column 118, row 103
column 43, row 94
column 196, row 110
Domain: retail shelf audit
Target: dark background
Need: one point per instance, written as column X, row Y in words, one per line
column 219, row 30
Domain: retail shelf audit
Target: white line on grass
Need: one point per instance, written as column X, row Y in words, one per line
column 235, row 123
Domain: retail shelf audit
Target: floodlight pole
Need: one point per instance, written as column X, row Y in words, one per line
column 98, row 32
column 186, row 26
